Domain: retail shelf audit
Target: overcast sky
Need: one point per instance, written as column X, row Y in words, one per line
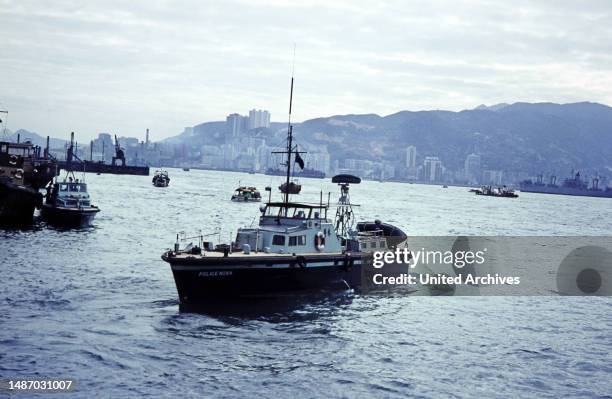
column 123, row 66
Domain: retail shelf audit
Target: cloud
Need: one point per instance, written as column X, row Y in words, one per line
column 124, row 66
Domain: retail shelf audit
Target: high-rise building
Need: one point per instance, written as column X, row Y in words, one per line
column 259, row 118
column 235, row 125
column 432, row 169
column 472, row 168
column 411, row 157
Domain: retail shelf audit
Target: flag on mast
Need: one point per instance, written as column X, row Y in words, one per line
column 299, row 160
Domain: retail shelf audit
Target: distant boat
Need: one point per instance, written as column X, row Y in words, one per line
column 490, row 191
column 186, row 169
column 246, row 194
column 445, row 186
column 293, row 188
column 161, row 178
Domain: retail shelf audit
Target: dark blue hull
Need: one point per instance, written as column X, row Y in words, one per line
column 201, row 280
column 69, row 217
column 17, row 203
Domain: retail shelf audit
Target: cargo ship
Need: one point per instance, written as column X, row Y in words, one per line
column 118, row 166
column 574, row 185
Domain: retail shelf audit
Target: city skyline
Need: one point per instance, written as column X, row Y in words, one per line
column 124, row 67
column 476, row 146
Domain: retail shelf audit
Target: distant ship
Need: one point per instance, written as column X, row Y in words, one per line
column 307, row 172
column 574, row 185
column 117, row 167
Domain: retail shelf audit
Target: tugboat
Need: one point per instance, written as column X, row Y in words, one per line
column 295, row 248
column 246, row 194
column 161, row 178
column 23, row 171
column 68, row 204
column 495, row 192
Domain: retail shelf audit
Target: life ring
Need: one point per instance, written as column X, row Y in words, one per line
column 18, row 174
column 319, row 241
column 13, row 159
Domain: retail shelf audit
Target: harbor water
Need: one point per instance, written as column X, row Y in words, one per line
column 99, row 305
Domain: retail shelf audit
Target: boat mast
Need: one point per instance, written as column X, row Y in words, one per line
column 289, row 144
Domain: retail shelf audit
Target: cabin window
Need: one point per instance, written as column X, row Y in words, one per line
column 17, row 151
column 63, row 187
column 297, row 241
column 278, row 240
column 382, row 244
column 373, row 244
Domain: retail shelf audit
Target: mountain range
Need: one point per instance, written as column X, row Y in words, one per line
column 520, row 137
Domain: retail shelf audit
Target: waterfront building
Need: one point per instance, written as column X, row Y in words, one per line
column 235, row 125
column 411, row 157
column 258, row 119
column 432, row 169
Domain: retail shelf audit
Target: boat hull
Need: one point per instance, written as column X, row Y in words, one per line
column 69, row 217
column 507, row 195
column 238, row 198
column 100, row 167
column 17, row 203
column 566, row 191
column 201, row 280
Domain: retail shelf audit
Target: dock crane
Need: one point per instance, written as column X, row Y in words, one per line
column 119, row 154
